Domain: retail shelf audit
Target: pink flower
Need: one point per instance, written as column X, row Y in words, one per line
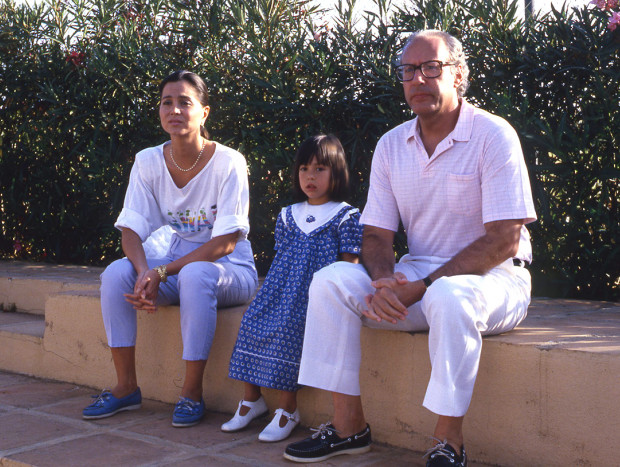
column 614, row 20
column 76, row 58
column 606, row 5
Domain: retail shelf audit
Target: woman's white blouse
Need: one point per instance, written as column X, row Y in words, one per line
column 215, row 202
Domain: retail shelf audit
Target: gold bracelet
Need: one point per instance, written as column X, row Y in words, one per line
column 161, row 270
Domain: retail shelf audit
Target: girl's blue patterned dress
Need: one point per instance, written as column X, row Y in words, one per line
column 269, row 344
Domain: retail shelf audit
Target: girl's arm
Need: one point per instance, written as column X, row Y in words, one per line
column 350, row 232
column 349, row 257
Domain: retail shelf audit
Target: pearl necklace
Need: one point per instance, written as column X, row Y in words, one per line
column 195, row 162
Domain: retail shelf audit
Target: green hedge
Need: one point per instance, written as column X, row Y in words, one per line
column 78, row 98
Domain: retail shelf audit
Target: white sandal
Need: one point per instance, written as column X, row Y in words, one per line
column 274, row 432
column 257, row 409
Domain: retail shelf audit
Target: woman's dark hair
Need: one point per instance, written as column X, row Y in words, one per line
column 328, row 151
column 196, row 82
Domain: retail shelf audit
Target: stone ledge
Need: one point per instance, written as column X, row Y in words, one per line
column 546, row 393
column 581, row 325
column 29, row 284
column 22, row 323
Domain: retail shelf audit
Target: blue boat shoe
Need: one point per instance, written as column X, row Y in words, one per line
column 106, row 404
column 187, row 412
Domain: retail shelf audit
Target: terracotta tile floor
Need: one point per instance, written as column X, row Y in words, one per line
column 41, row 425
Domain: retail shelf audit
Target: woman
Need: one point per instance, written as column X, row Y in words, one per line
column 199, row 188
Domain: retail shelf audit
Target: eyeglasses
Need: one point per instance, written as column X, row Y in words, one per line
column 430, row 69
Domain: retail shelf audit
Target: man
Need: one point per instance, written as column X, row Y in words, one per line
column 456, row 177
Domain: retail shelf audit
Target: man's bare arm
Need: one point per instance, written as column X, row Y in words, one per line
column 378, row 259
column 500, row 242
column 395, row 294
column 378, row 252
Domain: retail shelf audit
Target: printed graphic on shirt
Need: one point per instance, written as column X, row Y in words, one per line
column 186, row 221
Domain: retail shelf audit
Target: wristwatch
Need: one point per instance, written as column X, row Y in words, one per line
column 427, row 281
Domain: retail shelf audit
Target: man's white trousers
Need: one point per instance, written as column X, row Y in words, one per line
column 457, row 311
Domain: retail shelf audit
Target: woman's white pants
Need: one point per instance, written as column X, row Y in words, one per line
column 457, row 311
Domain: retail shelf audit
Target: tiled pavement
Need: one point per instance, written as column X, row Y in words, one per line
column 41, row 425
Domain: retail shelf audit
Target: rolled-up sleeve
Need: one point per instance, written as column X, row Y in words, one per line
column 140, row 210
column 233, row 201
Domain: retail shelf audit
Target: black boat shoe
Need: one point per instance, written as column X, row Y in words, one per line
column 325, row 443
column 444, row 455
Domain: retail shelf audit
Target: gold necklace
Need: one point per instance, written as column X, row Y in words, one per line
column 195, row 162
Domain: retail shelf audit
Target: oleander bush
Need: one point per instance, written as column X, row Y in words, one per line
column 78, row 98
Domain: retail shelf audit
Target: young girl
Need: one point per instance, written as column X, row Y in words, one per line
column 309, row 235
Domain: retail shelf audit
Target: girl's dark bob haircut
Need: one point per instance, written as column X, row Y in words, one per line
column 328, row 151
column 196, row 82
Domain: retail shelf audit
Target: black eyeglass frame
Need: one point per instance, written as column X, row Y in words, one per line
column 399, row 69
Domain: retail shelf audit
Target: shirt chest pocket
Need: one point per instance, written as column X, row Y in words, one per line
column 463, row 194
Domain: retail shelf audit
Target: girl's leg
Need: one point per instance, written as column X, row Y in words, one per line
column 287, row 400
column 251, row 393
column 252, row 406
column 285, row 419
